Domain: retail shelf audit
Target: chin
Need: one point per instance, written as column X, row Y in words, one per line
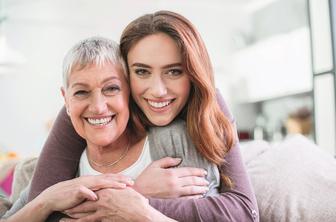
column 161, row 122
column 101, row 142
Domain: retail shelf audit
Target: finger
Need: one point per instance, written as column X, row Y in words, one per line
column 193, row 181
column 167, row 162
column 85, row 193
column 193, row 190
column 106, row 181
column 120, row 178
column 91, row 218
column 79, row 215
column 86, row 207
column 190, row 171
column 68, row 220
column 109, row 184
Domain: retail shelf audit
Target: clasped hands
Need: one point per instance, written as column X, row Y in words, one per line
column 114, row 197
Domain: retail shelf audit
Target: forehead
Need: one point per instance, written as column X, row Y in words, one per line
column 96, row 72
column 155, row 48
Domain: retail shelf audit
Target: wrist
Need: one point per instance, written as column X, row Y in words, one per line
column 153, row 215
column 25, row 213
column 138, row 189
column 42, row 205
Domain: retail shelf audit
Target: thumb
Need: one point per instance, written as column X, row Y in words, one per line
column 167, row 162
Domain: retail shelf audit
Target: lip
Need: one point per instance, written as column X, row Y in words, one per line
column 100, row 116
column 98, row 126
column 159, row 109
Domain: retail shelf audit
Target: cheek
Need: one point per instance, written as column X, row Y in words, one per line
column 124, row 104
column 76, row 109
column 121, row 105
column 137, row 86
column 184, row 87
column 76, row 120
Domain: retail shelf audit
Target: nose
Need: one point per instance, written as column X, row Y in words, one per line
column 158, row 86
column 98, row 103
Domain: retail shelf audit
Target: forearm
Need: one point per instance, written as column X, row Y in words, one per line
column 154, row 215
column 228, row 207
column 237, row 204
column 34, row 211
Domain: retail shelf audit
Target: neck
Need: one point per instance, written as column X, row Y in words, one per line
column 107, row 154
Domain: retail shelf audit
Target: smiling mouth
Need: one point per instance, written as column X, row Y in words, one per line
column 100, row 121
column 161, row 104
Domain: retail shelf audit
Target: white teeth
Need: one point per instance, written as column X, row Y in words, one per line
column 159, row 104
column 101, row 121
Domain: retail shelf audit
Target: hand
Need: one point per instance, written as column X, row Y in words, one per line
column 161, row 181
column 116, row 205
column 67, row 194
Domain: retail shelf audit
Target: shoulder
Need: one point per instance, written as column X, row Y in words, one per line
column 168, row 140
column 173, row 135
column 176, row 127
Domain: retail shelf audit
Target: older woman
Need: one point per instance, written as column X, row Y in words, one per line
column 96, row 96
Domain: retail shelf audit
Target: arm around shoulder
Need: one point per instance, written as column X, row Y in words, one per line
column 236, row 204
column 59, row 157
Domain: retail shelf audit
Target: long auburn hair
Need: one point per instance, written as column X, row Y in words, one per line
column 210, row 130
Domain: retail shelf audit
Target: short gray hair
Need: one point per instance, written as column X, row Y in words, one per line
column 93, row 50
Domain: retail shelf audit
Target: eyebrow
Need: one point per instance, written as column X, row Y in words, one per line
column 137, row 64
column 86, row 85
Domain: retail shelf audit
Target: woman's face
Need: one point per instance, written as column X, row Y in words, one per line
column 159, row 84
column 97, row 102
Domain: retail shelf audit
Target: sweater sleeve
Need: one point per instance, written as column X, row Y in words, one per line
column 60, row 156
column 236, row 204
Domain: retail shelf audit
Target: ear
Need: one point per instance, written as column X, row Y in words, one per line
column 65, row 100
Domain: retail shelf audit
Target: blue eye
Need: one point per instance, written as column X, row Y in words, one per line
column 141, row 72
column 175, row 72
column 81, row 93
column 111, row 90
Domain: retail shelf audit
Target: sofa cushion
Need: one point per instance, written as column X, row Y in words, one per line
column 22, row 175
column 294, row 181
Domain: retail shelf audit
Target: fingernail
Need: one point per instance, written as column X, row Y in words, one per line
column 131, row 182
column 180, row 161
column 205, row 172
